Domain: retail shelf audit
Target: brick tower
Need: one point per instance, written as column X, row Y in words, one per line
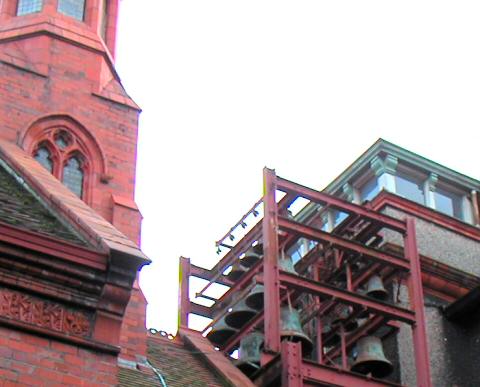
column 69, row 227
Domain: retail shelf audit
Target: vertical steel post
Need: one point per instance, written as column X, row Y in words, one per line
column 343, row 346
column 183, row 292
column 292, row 375
column 419, row 330
column 270, row 263
column 318, row 319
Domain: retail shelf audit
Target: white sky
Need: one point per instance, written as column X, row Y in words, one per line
column 304, row 87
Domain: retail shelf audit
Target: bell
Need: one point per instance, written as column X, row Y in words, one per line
column 371, row 359
column 254, row 299
column 375, row 288
column 251, row 257
column 291, row 329
column 237, row 271
column 327, row 329
column 240, row 315
column 341, row 315
column 286, row 264
column 258, row 249
column 249, row 353
column 220, row 332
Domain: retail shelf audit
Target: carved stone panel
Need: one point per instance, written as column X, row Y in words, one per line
column 24, row 308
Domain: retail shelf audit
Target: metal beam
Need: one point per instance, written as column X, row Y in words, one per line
column 200, row 310
column 270, row 263
column 317, row 288
column 415, row 288
column 340, row 204
column 183, row 293
column 200, row 272
column 341, row 243
column 331, row 376
column 291, row 364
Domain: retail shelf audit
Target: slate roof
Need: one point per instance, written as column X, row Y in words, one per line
column 95, row 230
column 179, row 365
column 20, row 208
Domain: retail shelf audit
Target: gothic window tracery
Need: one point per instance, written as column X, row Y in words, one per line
column 62, row 155
column 69, row 151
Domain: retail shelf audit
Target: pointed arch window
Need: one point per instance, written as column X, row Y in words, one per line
column 62, row 154
column 44, row 157
column 73, row 175
column 69, row 151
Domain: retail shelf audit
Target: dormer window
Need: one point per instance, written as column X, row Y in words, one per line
column 73, row 8
column 29, row 6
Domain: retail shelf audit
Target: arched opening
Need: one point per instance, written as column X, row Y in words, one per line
column 73, row 175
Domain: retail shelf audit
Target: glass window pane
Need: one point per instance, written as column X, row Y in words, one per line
column 338, row 217
column 369, row 190
column 44, row 157
column 29, row 6
column 73, row 176
column 448, row 203
column 410, row 188
column 74, row 8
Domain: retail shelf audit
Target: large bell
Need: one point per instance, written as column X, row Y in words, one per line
column 254, row 298
column 237, row 271
column 291, row 329
column 375, row 288
column 249, row 353
column 371, row 359
column 240, row 315
column 251, row 257
column 220, row 332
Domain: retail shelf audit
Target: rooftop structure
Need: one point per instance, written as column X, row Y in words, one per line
column 358, row 284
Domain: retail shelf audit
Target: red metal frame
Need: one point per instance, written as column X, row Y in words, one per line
column 348, row 241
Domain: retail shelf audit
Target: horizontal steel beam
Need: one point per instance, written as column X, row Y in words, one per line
column 315, row 373
column 342, row 243
column 201, row 310
column 340, row 204
column 200, row 272
column 344, row 296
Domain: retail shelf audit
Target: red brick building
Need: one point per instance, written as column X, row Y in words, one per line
column 71, row 311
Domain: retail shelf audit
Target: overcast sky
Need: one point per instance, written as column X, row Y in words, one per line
column 228, row 87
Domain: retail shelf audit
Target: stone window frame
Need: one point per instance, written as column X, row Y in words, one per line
column 83, row 145
column 61, row 156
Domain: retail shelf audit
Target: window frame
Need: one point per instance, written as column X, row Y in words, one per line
column 43, row 131
column 18, row 5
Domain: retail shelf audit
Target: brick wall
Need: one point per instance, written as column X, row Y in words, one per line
column 133, row 335
column 27, row 360
column 70, row 85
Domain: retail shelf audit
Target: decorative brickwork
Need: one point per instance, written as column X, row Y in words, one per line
column 31, row 310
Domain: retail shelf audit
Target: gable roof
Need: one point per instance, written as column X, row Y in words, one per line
column 173, row 361
column 59, row 202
